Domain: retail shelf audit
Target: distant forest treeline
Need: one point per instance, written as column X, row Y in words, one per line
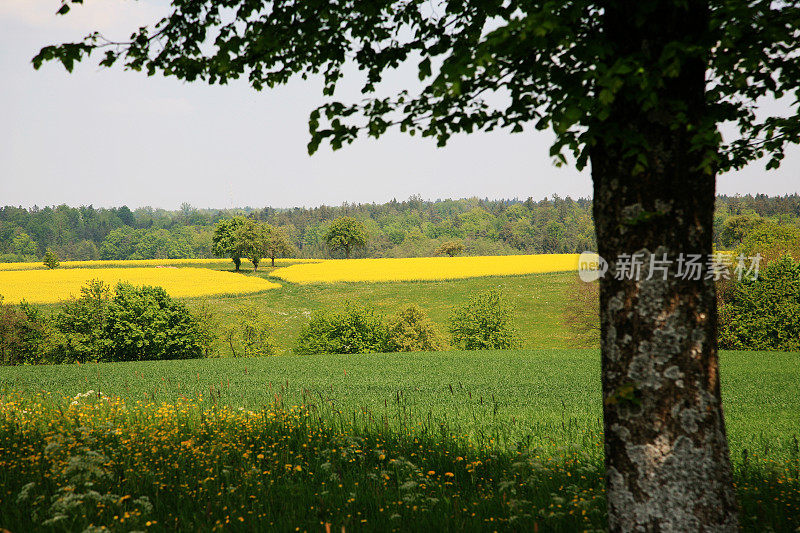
column 414, row 227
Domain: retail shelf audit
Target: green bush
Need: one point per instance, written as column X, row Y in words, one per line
column 208, row 326
column 412, row 331
column 764, row 314
column 772, row 241
column 581, row 313
column 23, row 332
column 135, row 324
column 484, row 323
column 145, row 323
column 80, row 325
column 353, row 329
column 256, row 333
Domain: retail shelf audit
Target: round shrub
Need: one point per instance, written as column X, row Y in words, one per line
column 22, row 334
column 145, row 323
column 412, row 331
column 484, row 323
column 256, row 333
column 353, row 329
column 79, row 327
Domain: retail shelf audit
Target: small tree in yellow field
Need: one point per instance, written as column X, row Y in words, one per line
column 50, row 260
column 251, row 238
column 450, row 248
column 276, row 244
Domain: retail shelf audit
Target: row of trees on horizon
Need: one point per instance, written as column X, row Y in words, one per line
column 414, row 227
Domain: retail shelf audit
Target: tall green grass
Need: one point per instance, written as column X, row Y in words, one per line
column 519, row 432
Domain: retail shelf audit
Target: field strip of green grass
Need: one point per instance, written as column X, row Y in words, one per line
column 550, row 396
column 537, row 300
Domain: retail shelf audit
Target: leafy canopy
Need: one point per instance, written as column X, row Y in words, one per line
column 451, row 248
column 482, row 65
column 346, row 233
column 276, row 242
column 771, row 240
column 250, row 238
column 50, row 259
column 225, row 242
column 145, row 323
column 411, row 330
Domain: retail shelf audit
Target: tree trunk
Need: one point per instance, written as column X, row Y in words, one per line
column 273, row 260
column 666, row 451
column 237, row 263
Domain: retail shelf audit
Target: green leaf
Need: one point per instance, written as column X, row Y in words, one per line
column 424, row 68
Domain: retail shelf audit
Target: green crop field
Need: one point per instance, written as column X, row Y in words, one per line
column 550, row 396
column 465, row 440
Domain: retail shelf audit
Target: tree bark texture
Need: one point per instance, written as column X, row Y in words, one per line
column 666, row 451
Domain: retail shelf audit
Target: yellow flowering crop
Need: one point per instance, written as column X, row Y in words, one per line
column 50, row 286
column 425, row 268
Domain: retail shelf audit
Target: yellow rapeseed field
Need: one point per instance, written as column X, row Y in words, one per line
column 50, row 286
column 425, row 268
column 127, row 263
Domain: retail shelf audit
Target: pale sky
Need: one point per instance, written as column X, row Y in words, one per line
column 111, row 137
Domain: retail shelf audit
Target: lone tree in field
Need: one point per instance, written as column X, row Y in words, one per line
column 346, row 233
column 50, row 259
column 450, row 248
column 224, row 241
column 251, row 238
column 276, row 243
column 636, row 88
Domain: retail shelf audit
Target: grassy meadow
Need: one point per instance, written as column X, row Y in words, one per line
column 538, row 301
column 542, row 397
column 461, row 441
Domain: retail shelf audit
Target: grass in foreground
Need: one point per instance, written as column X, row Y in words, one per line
column 190, row 466
column 458, row 441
